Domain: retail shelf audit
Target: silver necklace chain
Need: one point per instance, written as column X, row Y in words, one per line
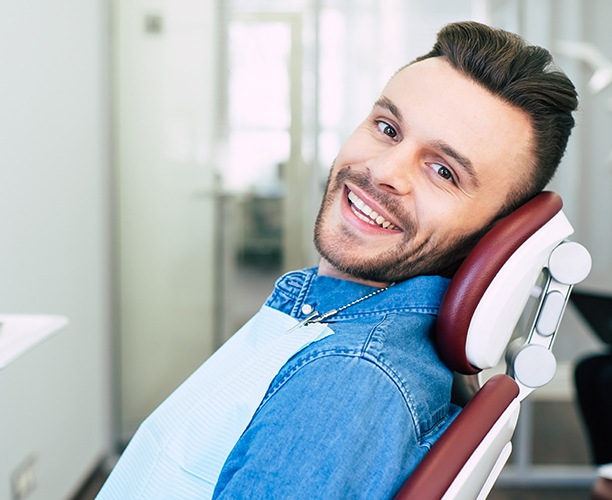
column 317, row 317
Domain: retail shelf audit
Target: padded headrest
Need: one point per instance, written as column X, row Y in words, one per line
column 491, row 287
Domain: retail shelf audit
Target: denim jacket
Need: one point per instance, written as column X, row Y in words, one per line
column 349, row 416
column 348, row 413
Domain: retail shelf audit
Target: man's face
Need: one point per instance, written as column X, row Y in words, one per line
column 430, row 167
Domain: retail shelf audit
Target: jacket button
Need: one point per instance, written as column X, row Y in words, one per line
column 307, row 309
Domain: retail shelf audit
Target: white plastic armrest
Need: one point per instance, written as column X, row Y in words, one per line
column 484, row 466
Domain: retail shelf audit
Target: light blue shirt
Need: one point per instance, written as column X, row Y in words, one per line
column 348, row 416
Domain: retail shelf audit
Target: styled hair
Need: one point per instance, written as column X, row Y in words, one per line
column 525, row 77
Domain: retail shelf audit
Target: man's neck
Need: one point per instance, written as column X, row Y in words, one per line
column 326, row 269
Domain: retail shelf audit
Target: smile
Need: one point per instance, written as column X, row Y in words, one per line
column 365, row 213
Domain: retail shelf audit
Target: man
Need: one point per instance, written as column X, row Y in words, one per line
column 456, row 140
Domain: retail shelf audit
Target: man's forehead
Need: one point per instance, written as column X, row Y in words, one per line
column 432, row 67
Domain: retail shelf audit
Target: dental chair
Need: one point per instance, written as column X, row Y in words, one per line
column 523, row 263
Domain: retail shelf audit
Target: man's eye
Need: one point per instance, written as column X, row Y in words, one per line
column 387, row 129
column 443, row 171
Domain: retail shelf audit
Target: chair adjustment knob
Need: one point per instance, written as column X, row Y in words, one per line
column 534, row 365
column 569, row 263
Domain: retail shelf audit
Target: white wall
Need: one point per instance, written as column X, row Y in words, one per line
column 55, row 236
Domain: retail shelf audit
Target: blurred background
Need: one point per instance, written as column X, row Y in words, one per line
column 162, row 165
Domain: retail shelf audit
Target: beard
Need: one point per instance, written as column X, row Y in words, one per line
column 403, row 261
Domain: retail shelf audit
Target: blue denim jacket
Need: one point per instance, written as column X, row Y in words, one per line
column 349, row 416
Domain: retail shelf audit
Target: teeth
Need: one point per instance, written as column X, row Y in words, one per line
column 366, row 214
column 362, row 217
column 356, row 201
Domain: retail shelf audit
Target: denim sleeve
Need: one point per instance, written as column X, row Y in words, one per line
column 336, row 428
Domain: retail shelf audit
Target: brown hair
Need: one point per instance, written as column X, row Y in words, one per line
column 524, row 76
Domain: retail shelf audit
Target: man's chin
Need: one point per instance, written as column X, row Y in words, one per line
column 347, row 261
column 390, row 267
column 371, row 271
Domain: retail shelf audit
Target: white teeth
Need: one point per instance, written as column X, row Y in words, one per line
column 361, row 216
column 366, row 214
column 356, row 200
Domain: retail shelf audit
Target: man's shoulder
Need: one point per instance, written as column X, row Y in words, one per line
column 395, row 346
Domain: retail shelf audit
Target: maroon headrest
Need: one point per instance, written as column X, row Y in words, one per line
column 478, row 270
column 441, row 465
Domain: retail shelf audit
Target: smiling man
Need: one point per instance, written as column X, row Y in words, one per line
column 433, row 164
column 334, row 389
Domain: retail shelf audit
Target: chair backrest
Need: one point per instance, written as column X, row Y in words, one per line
column 525, row 255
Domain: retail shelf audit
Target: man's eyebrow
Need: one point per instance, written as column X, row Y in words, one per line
column 465, row 162
column 386, row 103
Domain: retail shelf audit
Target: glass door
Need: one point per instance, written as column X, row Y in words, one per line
column 261, row 229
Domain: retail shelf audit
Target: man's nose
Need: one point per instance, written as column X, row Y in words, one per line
column 395, row 169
